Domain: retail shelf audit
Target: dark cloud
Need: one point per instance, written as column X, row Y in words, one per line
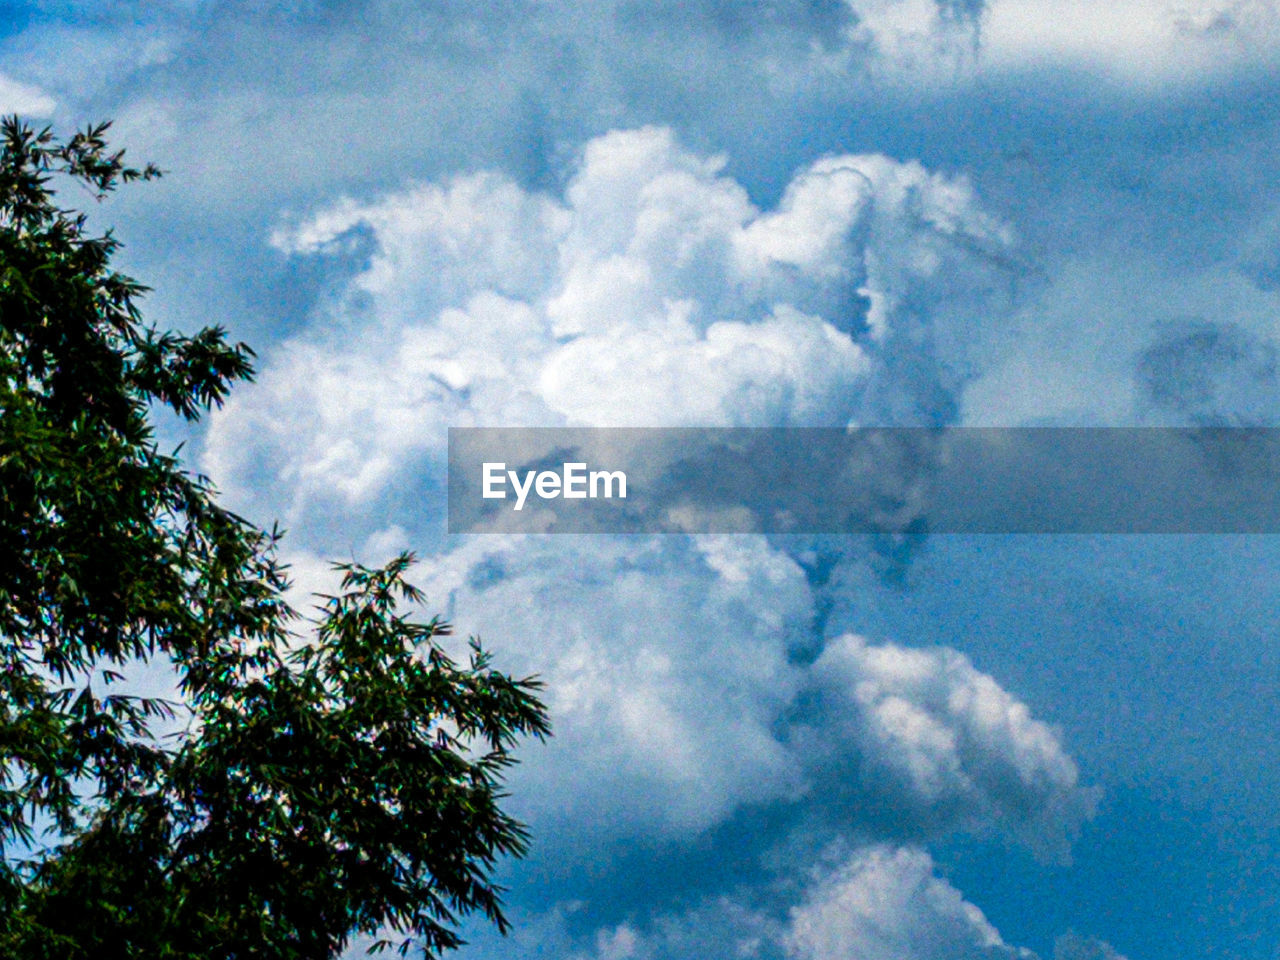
column 1212, row 375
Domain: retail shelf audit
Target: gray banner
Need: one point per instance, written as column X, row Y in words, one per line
column 870, row 480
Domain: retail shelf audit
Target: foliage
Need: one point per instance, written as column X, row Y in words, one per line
column 312, row 786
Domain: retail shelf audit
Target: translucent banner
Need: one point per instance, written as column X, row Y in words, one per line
column 884, row 480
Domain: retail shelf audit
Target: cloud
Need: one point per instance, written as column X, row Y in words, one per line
column 686, row 677
column 908, row 39
column 1211, row 374
column 537, row 72
column 679, row 703
column 717, row 927
column 720, row 927
column 23, row 98
column 666, row 668
column 941, row 744
column 885, row 903
column 1127, row 338
column 1143, row 44
column 678, row 700
column 84, row 57
column 654, row 293
column 872, row 902
column 876, row 902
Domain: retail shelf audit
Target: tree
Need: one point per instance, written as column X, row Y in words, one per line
column 328, row 782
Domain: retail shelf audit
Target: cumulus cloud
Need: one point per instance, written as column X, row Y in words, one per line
column 666, row 669
column 677, row 700
column 943, row 743
column 886, row 903
column 876, row 902
column 873, row 902
column 681, row 672
column 653, row 294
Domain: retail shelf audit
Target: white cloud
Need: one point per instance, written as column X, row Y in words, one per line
column 23, row 98
column 886, row 903
column 676, row 701
column 873, row 902
column 945, row 742
column 1152, row 44
column 721, row 927
column 666, row 668
column 654, row 294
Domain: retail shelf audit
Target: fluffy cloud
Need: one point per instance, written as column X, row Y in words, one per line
column 655, row 294
column 666, row 668
column 874, row 902
column 886, row 904
column 678, row 699
column 944, row 743
column 681, row 672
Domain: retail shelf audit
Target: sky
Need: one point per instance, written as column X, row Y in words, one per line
column 779, row 213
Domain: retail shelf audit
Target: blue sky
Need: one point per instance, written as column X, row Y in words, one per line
column 768, row 214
